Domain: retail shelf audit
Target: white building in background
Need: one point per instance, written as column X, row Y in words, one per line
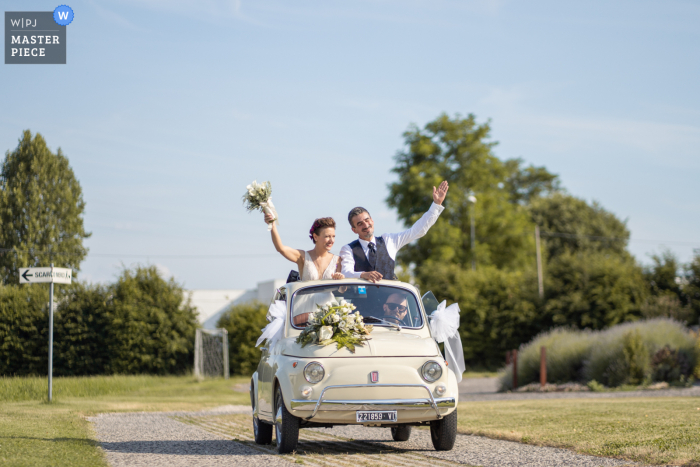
column 211, row 304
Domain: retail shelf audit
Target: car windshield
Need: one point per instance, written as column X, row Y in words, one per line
column 379, row 305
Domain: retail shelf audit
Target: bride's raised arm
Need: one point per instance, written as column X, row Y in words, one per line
column 292, row 254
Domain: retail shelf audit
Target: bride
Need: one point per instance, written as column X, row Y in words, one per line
column 315, row 264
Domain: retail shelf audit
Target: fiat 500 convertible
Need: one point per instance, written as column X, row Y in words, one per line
column 398, row 379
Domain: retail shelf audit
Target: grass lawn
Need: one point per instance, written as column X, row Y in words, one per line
column 35, row 433
column 660, row 430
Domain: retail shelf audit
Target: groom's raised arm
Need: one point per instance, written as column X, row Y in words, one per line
column 418, row 229
column 423, row 224
column 348, row 263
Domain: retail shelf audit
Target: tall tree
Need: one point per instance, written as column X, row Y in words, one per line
column 41, row 210
column 458, row 150
column 569, row 224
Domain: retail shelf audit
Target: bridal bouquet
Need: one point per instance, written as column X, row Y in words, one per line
column 335, row 322
column 259, row 197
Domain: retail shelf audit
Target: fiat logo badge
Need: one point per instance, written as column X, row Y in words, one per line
column 374, row 376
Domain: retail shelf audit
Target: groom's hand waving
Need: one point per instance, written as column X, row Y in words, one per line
column 440, row 192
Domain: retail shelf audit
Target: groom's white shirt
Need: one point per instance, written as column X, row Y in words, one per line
column 393, row 241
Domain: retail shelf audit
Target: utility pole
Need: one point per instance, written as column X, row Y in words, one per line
column 472, row 200
column 540, row 281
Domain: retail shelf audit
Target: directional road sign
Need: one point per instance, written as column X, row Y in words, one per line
column 36, row 275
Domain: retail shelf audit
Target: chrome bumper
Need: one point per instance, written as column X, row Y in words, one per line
column 373, row 404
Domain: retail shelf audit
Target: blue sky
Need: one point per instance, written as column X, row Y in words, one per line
column 167, row 109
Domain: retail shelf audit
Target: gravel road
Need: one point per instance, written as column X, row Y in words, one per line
column 224, row 437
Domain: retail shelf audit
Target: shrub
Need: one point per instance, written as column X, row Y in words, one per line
column 607, row 363
column 244, row 324
column 152, row 325
column 628, row 353
column 637, row 362
column 24, row 324
column 566, row 352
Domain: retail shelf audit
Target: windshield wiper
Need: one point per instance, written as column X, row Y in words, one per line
column 380, row 320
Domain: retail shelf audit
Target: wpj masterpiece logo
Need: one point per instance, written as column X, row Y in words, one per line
column 37, row 36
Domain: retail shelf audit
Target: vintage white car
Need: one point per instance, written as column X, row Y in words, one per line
column 397, row 379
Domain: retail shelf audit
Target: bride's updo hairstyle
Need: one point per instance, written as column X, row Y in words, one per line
column 320, row 224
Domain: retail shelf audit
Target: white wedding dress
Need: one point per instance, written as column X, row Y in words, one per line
column 310, row 273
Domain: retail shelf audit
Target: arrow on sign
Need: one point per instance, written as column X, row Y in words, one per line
column 26, row 273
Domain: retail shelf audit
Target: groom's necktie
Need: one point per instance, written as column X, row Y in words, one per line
column 372, row 257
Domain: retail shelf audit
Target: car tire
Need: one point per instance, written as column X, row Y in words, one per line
column 262, row 432
column 401, row 432
column 286, row 426
column 443, row 432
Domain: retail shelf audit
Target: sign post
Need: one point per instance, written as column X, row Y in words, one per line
column 51, row 275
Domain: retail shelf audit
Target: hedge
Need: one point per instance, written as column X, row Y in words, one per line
column 142, row 324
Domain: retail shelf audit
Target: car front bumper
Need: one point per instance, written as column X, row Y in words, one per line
column 323, row 404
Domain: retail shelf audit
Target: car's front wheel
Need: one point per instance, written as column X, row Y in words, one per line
column 443, row 432
column 401, row 432
column 286, row 426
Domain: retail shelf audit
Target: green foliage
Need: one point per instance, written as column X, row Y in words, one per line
column 458, row 150
column 569, row 224
column 661, row 275
column 692, row 287
column 636, row 354
column 629, row 353
column 81, row 330
column 41, row 209
column 24, row 326
column 244, row 324
column 591, row 289
column 152, row 325
column 498, row 308
column 141, row 324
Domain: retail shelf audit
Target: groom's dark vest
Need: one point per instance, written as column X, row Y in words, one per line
column 384, row 266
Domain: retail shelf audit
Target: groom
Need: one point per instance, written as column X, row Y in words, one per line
column 373, row 258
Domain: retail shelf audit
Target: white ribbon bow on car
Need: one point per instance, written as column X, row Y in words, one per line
column 275, row 330
column 444, row 324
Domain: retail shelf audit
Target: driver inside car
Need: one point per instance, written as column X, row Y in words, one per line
column 396, row 308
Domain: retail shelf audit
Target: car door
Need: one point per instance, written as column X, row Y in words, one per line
column 265, row 373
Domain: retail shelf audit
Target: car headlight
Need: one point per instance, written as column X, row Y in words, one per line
column 306, row 391
column 440, row 390
column 314, row 372
column 431, row 371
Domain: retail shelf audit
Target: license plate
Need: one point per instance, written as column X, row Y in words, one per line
column 364, row 416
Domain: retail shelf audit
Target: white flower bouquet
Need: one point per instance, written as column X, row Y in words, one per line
column 336, row 323
column 259, row 198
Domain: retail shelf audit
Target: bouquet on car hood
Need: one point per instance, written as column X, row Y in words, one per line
column 259, row 197
column 336, row 323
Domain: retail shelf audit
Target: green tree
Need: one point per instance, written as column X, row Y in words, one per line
column 41, row 209
column 692, row 288
column 244, row 324
column 151, row 324
column 457, row 150
column 570, row 224
column 592, row 289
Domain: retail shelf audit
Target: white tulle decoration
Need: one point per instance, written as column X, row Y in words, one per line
column 275, row 330
column 444, row 324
